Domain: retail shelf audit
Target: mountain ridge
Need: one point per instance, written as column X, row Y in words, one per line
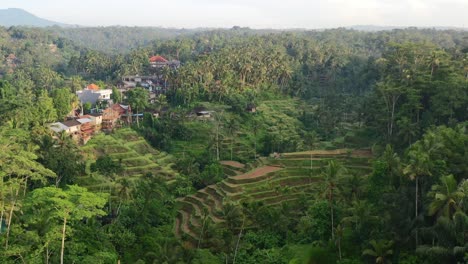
column 20, row 17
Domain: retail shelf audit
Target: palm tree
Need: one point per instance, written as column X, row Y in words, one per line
column 124, row 192
column 360, row 215
column 138, row 99
column 310, row 139
column 393, row 163
column 381, row 250
column 420, row 163
column 232, row 126
column 332, row 173
column 339, row 236
column 446, row 197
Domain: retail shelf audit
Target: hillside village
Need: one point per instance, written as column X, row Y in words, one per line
column 106, row 115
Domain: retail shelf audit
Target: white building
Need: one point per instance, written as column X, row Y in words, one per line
column 92, row 94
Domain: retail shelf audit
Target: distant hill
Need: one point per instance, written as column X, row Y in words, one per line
column 372, row 28
column 19, row 17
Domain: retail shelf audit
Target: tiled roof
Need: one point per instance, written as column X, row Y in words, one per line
column 157, row 59
column 93, row 87
column 71, row 123
column 58, row 127
column 84, row 120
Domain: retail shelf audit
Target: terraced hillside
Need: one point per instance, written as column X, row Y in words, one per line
column 269, row 181
column 135, row 155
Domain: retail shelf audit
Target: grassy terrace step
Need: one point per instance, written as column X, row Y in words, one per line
column 199, row 203
column 209, row 199
column 276, row 199
column 123, row 155
column 233, row 164
column 274, row 193
column 231, row 172
column 215, row 193
column 237, row 181
column 229, row 188
column 136, row 162
column 286, row 181
column 144, row 167
column 290, row 182
column 177, row 226
column 184, row 225
column 284, row 201
column 189, row 207
column 284, row 174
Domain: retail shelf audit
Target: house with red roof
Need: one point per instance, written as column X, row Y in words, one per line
column 161, row 62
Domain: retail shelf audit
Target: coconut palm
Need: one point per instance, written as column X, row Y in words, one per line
column 331, row 174
column 381, row 250
column 446, row 197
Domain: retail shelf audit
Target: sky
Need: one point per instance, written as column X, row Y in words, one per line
column 249, row 13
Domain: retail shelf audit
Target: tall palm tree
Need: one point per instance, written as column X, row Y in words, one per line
column 446, row 197
column 381, row 250
column 331, row 174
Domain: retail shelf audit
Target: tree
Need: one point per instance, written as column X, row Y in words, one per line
column 446, row 197
column 381, row 250
column 45, row 111
column 311, row 139
column 62, row 101
column 138, row 99
column 333, row 171
column 18, row 167
column 106, row 166
column 116, row 95
column 391, row 94
column 68, row 205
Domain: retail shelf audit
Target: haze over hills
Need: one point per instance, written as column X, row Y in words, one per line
column 19, row 17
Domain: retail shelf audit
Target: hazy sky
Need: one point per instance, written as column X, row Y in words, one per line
column 252, row 13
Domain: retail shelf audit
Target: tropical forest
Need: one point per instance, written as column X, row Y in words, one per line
column 233, row 145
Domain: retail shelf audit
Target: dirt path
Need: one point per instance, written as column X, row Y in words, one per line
column 232, row 163
column 257, row 172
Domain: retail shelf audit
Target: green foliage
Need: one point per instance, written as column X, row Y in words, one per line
column 315, row 225
column 106, row 166
column 62, row 101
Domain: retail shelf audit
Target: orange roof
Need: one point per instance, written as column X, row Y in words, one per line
column 93, row 87
column 157, row 59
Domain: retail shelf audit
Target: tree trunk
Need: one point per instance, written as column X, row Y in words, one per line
column 138, row 121
column 238, row 241
column 332, row 220
column 339, row 248
column 47, row 254
column 201, row 234
column 232, row 145
column 416, row 210
column 1, row 216
column 217, row 141
column 63, row 239
column 10, row 217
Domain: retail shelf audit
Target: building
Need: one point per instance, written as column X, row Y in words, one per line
column 87, row 129
column 110, row 119
column 154, row 83
column 124, row 111
column 161, row 62
column 92, row 94
column 96, row 118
